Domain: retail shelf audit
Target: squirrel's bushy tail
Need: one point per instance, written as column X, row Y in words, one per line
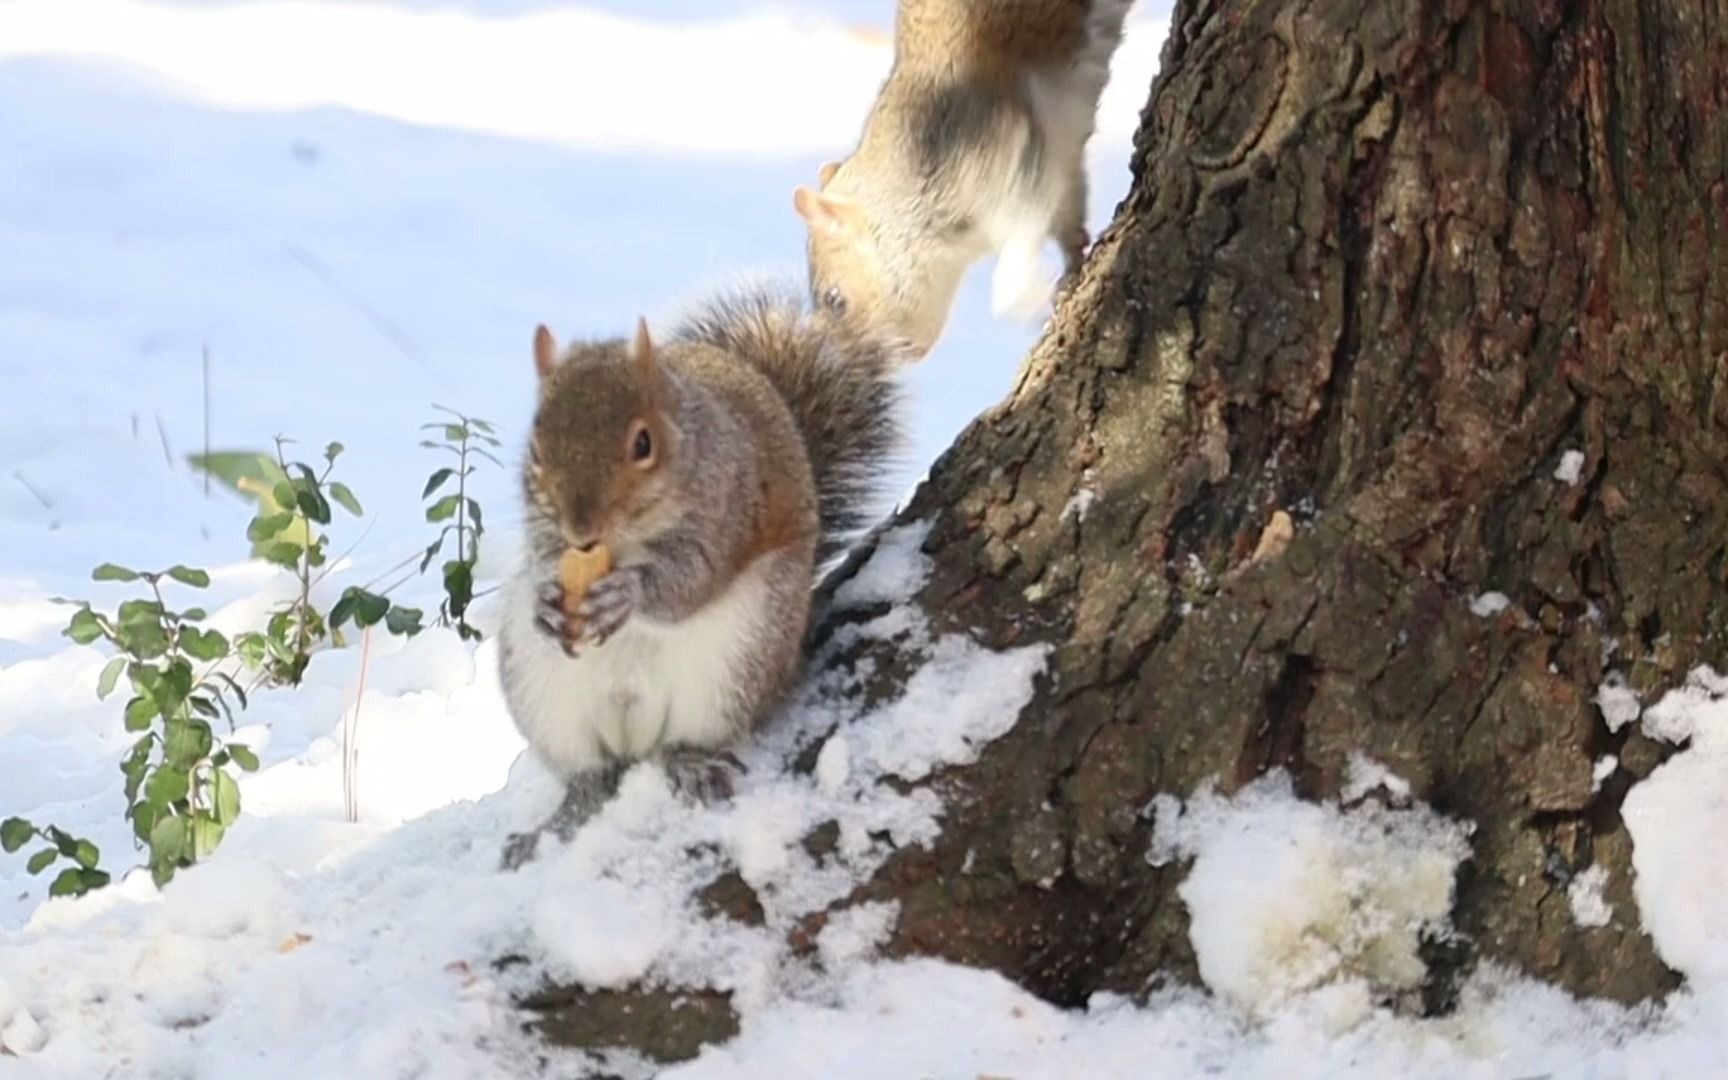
column 839, row 387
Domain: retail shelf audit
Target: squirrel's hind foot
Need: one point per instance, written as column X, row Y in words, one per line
column 583, row 798
column 707, row 776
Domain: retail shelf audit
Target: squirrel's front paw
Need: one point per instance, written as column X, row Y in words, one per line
column 549, row 613
column 610, row 601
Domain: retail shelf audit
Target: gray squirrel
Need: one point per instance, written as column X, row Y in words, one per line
column 975, row 146
column 705, row 480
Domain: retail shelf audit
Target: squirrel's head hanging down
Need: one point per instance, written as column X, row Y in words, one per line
column 600, row 462
column 878, row 283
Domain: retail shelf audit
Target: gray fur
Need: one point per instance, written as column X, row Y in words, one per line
column 837, row 384
column 777, row 433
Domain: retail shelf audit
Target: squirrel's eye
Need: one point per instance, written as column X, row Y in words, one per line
column 643, row 447
column 834, row 300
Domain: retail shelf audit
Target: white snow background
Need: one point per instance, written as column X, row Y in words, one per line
column 360, row 209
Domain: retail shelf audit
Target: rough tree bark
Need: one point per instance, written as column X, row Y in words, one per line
column 1382, row 263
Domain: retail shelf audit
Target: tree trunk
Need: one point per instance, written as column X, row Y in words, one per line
column 1383, row 265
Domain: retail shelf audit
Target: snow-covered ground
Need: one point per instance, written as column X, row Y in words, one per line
column 360, row 209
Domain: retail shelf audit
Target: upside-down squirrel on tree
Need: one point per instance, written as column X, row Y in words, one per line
column 975, row 146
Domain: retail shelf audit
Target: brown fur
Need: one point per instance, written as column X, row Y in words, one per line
column 1004, row 37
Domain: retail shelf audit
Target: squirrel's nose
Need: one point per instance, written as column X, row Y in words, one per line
column 580, row 539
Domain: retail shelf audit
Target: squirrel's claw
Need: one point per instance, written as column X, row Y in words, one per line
column 549, row 613
column 702, row 775
column 609, row 603
column 550, row 617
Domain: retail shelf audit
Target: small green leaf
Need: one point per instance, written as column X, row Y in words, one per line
column 313, row 505
column 444, row 509
column 145, row 640
column 139, row 611
column 204, row 707
column 474, row 513
column 143, row 817
column 436, row 481
column 432, row 550
column 162, row 873
column 170, row 839
column 203, row 644
column 193, row 614
column 42, row 860
column 15, row 832
column 404, row 621
column 227, row 794
column 207, row 834
column 243, row 757
column 186, row 575
column 233, row 687
column 110, row 677
column 459, row 585
column 455, row 432
column 86, row 854
column 85, row 627
column 283, row 493
column 166, row 787
column 141, row 712
column 169, row 692
column 134, row 766
column 89, row 880
column 110, row 572
column 250, row 646
column 333, row 451
column 482, row 425
column 343, row 609
column 345, row 498
column 188, row 742
column 266, row 526
column 282, row 553
column 67, row 884
column 366, row 608
column 65, row 842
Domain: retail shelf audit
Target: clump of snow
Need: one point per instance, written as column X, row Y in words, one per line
column 962, row 697
column 1571, row 468
column 1490, row 604
column 1618, row 702
column 1678, row 715
column 833, row 765
column 1678, row 819
column 1362, row 774
column 599, row 932
column 1285, row 895
column 1602, row 770
column 22, row 1035
column 1589, row 906
column 896, row 570
column 854, row 934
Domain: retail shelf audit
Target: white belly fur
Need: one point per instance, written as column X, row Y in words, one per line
column 1018, row 220
column 652, row 685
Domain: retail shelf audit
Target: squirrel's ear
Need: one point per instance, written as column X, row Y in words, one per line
column 643, row 349
column 545, row 351
column 819, row 211
column 826, row 172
